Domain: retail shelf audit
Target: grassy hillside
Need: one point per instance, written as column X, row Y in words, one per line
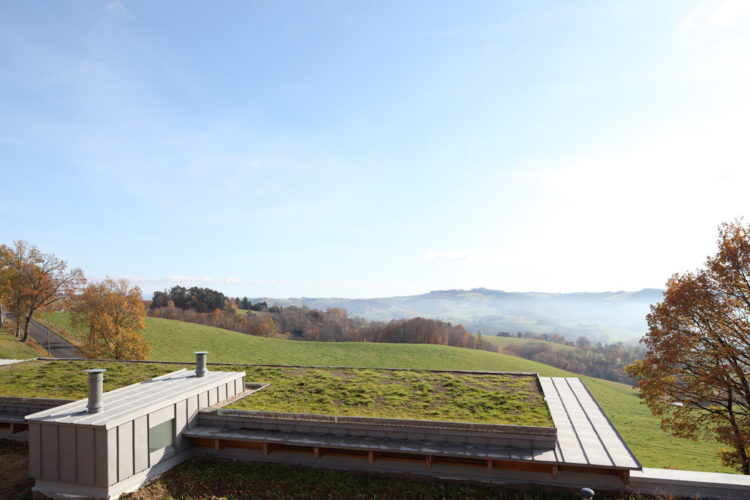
column 506, row 341
column 176, row 341
column 613, row 315
column 12, row 348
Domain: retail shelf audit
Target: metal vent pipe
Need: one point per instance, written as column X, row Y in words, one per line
column 200, row 363
column 96, row 389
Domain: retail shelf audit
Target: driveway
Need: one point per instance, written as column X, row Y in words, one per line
column 57, row 346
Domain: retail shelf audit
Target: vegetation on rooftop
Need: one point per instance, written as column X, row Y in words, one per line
column 457, row 397
column 496, row 399
column 67, row 379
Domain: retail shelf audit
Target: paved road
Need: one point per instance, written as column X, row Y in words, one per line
column 58, row 347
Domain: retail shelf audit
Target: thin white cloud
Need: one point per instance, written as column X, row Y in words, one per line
column 446, row 255
column 713, row 44
column 179, row 279
column 730, row 13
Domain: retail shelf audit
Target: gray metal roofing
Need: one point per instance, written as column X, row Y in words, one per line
column 125, row 404
column 584, row 433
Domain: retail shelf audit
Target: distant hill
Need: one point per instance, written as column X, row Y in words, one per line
column 606, row 316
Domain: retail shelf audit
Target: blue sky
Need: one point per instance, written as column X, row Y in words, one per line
column 360, row 149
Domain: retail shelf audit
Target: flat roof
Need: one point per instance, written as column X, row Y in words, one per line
column 585, row 436
column 584, row 433
column 126, row 403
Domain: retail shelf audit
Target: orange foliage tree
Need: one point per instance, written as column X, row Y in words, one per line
column 37, row 281
column 114, row 315
column 696, row 373
column 261, row 325
column 6, row 290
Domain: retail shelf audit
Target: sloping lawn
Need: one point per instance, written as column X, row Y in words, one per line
column 12, row 348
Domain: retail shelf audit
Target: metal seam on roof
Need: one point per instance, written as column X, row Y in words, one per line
column 569, row 422
column 121, row 404
column 596, row 430
column 609, row 427
column 588, row 419
column 123, row 397
column 617, row 450
column 584, row 435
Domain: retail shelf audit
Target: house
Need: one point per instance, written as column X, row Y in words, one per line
column 115, row 442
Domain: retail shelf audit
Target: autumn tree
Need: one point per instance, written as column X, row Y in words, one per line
column 261, row 325
column 5, row 280
column 37, row 281
column 114, row 316
column 696, row 373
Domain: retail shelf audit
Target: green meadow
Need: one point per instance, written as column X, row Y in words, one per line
column 12, row 348
column 506, row 341
column 177, row 341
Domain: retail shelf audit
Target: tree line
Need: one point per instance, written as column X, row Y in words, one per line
column 303, row 323
column 598, row 360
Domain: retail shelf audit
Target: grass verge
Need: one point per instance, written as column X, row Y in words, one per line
column 12, row 348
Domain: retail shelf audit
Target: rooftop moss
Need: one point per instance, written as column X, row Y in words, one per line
column 68, row 380
column 421, row 395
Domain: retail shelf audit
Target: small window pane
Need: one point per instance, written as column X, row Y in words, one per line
column 160, row 436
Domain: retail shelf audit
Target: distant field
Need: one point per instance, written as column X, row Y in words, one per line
column 174, row 340
column 506, row 341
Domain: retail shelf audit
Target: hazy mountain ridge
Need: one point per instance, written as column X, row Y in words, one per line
column 605, row 316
